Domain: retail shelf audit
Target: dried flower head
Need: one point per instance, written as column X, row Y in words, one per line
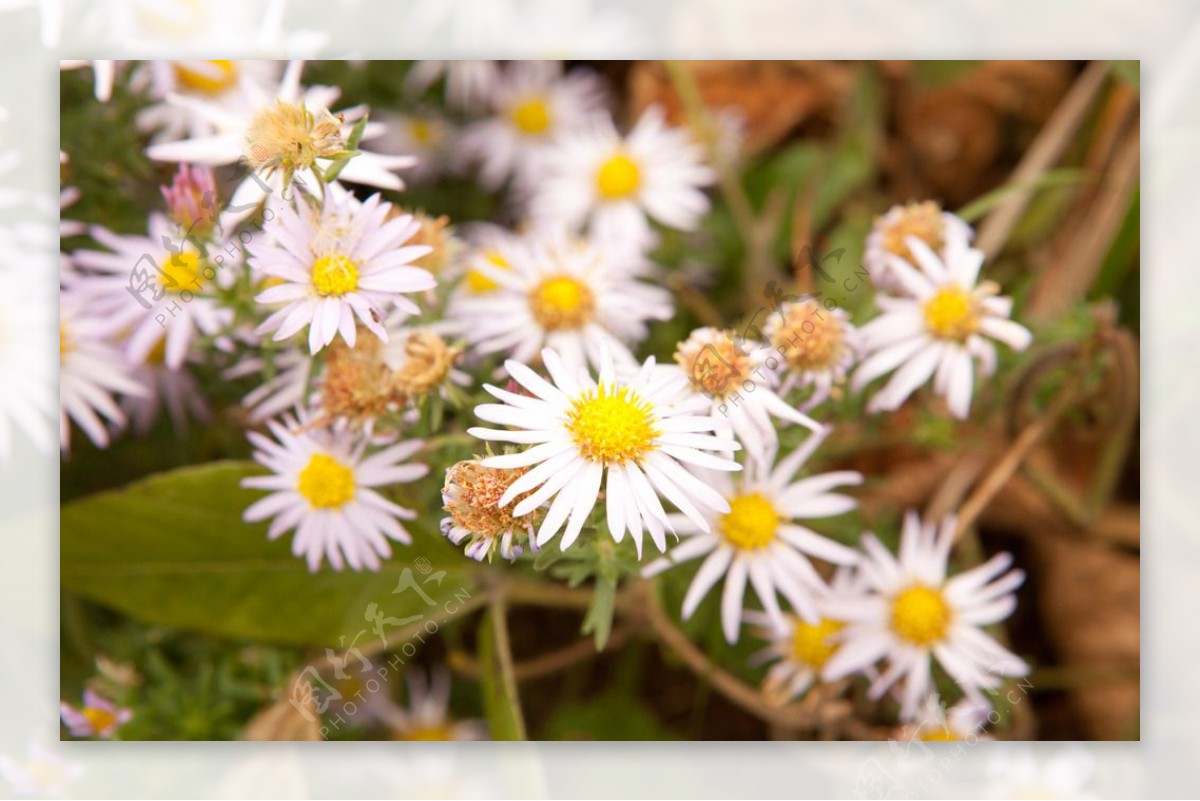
column 436, row 233
column 358, row 384
column 715, row 362
column 288, row 137
column 471, row 496
column 425, row 366
column 924, row 221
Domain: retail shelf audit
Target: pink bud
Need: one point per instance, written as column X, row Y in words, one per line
column 192, row 198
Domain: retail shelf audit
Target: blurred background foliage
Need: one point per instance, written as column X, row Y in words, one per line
column 196, row 621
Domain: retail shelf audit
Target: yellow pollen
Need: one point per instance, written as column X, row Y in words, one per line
column 612, row 425
column 99, row 719
column 939, row 735
column 422, row 130
column 479, row 283
column 207, row 77
column 334, row 275
column 618, row 177
column 813, row 645
column 920, row 615
column 561, row 302
column 952, row 314
column 183, row 272
column 532, row 116
column 326, row 483
column 750, row 523
column 425, row 734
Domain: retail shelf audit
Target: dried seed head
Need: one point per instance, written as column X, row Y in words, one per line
column 425, row 364
column 471, row 496
column 288, row 137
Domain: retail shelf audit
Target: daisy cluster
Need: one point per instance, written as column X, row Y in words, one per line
column 285, row 254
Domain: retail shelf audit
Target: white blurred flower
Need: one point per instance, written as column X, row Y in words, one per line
column 532, row 105
column 1022, row 772
column 324, row 484
column 239, row 87
column 425, row 134
column 614, row 185
column 761, row 538
column 43, row 771
column 557, row 291
column 913, row 614
column 939, row 330
column 427, row 715
column 965, row 720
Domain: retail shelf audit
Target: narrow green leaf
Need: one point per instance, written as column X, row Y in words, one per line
column 1064, row 176
column 336, row 167
column 172, row 550
column 500, row 700
column 599, row 619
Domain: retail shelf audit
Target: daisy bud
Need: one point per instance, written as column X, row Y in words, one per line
column 192, row 198
column 472, row 496
column 287, row 136
column 925, row 221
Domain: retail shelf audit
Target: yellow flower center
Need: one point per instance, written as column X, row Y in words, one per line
column 750, row 523
column 64, row 342
column 439, row 733
column 938, row 735
column 207, row 77
column 99, row 719
column 326, row 483
column 532, row 116
column 920, row 615
column 561, row 302
column 813, row 645
column 479, row 283
column 182, row 272
column 612, row 425
column 618, row 177
column 422, row 130
column 334, row 275
column 952, row 314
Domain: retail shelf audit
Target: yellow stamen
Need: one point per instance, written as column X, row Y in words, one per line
column 99, row 719
column 334, row 275
column 183, row 272
column 532, row 116
column 618, row 177
column 920, row 615
column 562, row 302
column 326, row 483
column 952, row 314
column 425, row 734
column 813, row 645
column 207, row 77
column 612, row 425
column 750, row 523
column 479, row 283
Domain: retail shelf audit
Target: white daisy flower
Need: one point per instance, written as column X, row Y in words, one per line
column 533, row 104
column 469, row 83
column 157, row 286
column 965, row 720
column 615, row 184
column 26, row 372
column 177, row 391
column 424, row 134
column 914, row 614
column 889, row 237
column 818, row 346
column 287, row 377
column 562, row 293
column 759, row 537
column 229, row 145
column 341, row 262
column 427, row 716
column 323, row 484
column 939, row 330
column 91, row 371
column 235, row 86
column 631, row 436
column 43, row 772
column 737, row 379
column 798, row 648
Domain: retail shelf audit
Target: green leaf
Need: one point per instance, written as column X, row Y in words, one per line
column 336, row 167
column 599, row 619
column 172, row 550
column 500, row 701
column 1064, row 176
